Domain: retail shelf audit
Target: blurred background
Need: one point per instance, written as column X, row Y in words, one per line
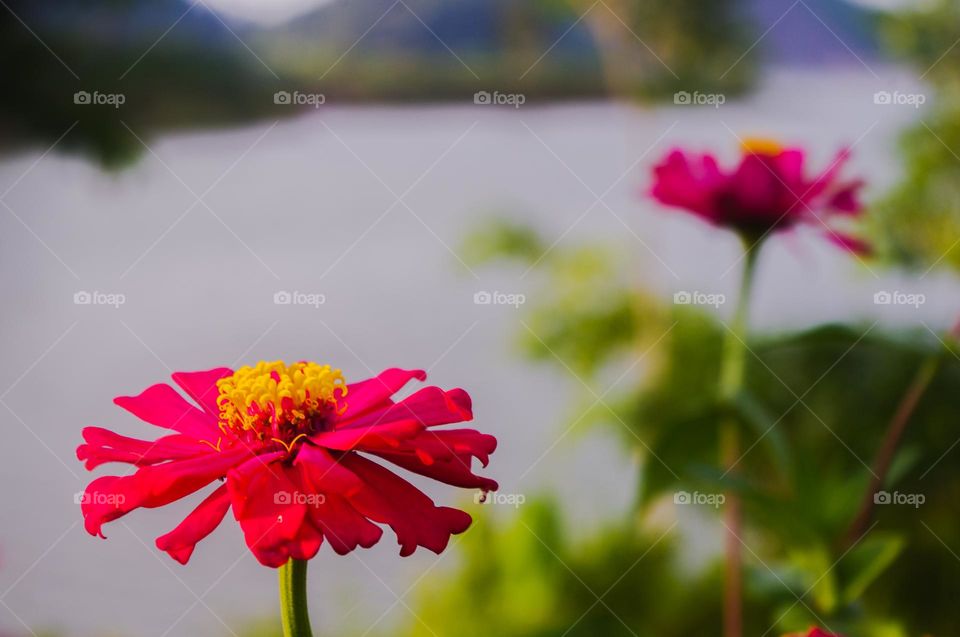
column 460, row 186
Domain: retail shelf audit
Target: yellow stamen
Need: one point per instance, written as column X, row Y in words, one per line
column 289, row 447
column 212, row 446
column 761, row 146
column 274, row 394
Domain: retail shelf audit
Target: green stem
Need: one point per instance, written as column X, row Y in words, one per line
column 734, row 348
column 293, row 599
column 894, row 434
column 731, row 383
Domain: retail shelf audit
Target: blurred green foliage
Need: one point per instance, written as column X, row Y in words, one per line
column 651, row 50
column 815, row 409
column 929, row 190
column 527, row 578
column 589, row 292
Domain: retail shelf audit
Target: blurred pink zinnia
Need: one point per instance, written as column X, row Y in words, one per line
column 814, row 632
column 287, row 443
column 768, row 191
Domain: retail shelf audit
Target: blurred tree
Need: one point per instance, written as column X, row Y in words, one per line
column 930, row 150
column 655, row 49
column 192, row 75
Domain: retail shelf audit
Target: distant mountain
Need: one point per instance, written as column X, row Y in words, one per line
column 800, row 32
column 465, row 24
column 180, row 65
column 120, row 22
column 470, row 27
column 814, row 31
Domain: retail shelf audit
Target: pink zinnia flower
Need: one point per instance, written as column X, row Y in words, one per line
column 292, row 446
column 767, row 192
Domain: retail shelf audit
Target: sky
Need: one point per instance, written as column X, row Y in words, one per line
column 265, row 11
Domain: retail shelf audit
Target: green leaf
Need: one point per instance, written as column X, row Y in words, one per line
column 867, row 561
column 755, row 415
column 817, row 563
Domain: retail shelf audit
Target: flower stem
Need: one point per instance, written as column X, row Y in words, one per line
column 293, row 599
column 734, row 348
column 891, row 439
column 731, row 382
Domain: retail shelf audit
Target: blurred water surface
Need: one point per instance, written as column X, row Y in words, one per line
column 366, row 207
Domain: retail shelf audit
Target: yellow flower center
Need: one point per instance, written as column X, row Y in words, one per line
column 279, row 401
column 761, row 146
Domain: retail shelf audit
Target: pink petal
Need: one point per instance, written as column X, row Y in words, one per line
column 332, row 476
column 446, row 456
column 104, row 446
column 202, row 387
column 788, row 165
column 307, row 543
column 344, row 528
column 759, row 197
column 688, row 183
column 111, row 497
column 376, row 392
column 846, row 200
column 162, row 406
column 413, row 516
column 267, row 505
column 430, row 406
column 387, row 436
column 825, row 180
column 180, row 542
